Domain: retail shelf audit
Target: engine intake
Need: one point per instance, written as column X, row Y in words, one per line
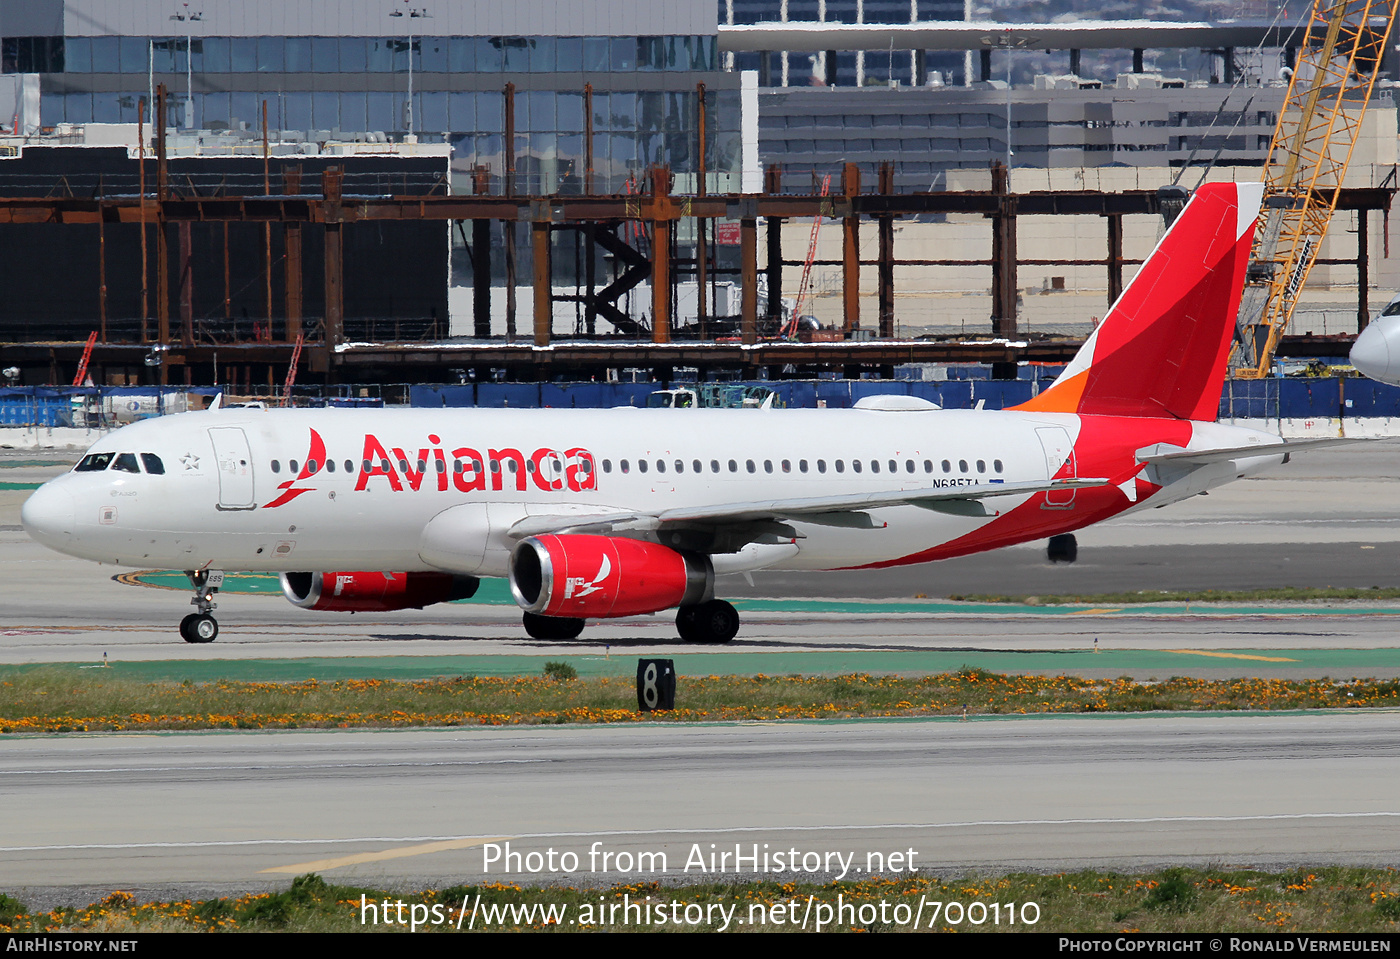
column 603, row 576
column 374, row 592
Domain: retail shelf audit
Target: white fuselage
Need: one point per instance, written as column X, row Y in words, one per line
column 237, row 494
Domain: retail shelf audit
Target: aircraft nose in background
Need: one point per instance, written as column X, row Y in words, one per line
column 48, row 515
column 1373, row 353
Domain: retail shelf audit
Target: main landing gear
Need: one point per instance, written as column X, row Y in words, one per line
column 712, row 622
column 200, row 627
column 1062, row 549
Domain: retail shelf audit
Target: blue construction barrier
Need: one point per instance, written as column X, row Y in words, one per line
column 1273, row 398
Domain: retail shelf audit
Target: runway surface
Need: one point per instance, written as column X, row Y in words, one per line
column 216, row 811
column 188, row 813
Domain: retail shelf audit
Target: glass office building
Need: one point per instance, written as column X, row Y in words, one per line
column 344, row 70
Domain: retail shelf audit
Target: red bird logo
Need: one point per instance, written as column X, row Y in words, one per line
column 315, row 459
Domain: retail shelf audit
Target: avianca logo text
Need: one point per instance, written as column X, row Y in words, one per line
column 548, row 469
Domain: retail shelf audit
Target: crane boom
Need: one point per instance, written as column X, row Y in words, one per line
column 1308, row 158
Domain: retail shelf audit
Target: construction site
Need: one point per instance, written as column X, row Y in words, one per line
column 151, row 256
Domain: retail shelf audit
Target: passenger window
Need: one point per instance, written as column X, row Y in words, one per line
column 384, row 466
column 981, row 466
column 495, row 466
column 350, row 467
column 821, row 466
column 310, row 466
column 276, row 466
column 680, row 466
column 403, row 465
column 928, row 466
column 855, row 466
column 714, row 466
column 908, row 466
column 787, row 466
column 962, row 466
column 733, row 467
column 94, row 462
column 894, row 467
column 696, row 467
column 641, row 466
column 152, row 463
column 802, row 465
column 767, row 466
column 126, row 462
column 441, row 466
column 291, row 466
column 749, row 465
column 840, row 466
column 510, row 465
column 996, row 465
column 661, row 466
column 422, row 466
column 368, row 466
column 607, row 466
column 625, row 466
column 874, row 466
column 585, row 467
column 947, row 467
column 330, row 466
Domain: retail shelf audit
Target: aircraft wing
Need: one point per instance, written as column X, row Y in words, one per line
column 828, row 510
column 1164, row 454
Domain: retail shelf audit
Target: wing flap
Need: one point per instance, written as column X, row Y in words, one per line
column 960, row 500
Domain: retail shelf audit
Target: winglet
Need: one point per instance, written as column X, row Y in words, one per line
column 1162, row 348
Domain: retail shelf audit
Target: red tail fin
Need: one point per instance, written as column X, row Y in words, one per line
column 1161, row 351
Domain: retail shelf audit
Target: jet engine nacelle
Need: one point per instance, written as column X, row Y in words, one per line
column 374, row 592
column 596, row 577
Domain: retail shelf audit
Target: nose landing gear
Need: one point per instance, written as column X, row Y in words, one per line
column 200, row 627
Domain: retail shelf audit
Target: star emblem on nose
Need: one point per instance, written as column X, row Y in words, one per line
column 190, row 461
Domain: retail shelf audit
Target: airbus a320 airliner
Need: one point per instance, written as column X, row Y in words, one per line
column 609, row 513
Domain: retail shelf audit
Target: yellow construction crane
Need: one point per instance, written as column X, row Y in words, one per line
column 1312, row 146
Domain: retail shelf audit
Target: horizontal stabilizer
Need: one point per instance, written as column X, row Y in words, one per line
column 1165, row 454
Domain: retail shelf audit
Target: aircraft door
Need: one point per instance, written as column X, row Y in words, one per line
column 235, row 468
column 1059, row 464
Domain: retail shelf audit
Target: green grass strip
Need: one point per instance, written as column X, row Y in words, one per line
column 67, row 700
column 1334, row 899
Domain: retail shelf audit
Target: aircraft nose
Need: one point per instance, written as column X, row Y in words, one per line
column 48, row 515
column 1372, row 353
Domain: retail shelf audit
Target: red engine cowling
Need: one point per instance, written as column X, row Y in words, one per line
column 601, row 576
column 374, row 592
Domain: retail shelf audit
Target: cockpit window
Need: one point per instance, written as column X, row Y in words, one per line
column 126, row 462
column 152, row 463
column 93, row 462
column 1392, row 309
